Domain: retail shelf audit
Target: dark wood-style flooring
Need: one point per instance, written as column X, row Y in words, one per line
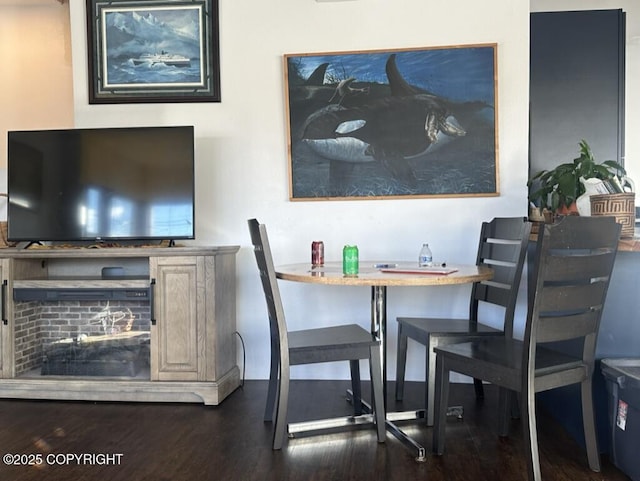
column 184, row 442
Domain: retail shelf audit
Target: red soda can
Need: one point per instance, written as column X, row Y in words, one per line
column 317, row 254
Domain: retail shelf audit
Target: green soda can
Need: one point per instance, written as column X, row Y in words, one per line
column 350, row 260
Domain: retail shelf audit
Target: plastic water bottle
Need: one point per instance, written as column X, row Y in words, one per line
column 425, row 259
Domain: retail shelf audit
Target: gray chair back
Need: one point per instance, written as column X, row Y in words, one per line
column 264, row 259
column 503, row 247
column 575, row 259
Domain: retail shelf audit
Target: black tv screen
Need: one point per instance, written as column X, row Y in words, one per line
column 101, row 184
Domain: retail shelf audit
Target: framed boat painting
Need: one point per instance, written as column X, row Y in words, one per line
column 392, row 123
column 153, row 51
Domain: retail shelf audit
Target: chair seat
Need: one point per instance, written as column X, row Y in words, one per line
column 329, row 343
column 443, row 327
column 499, row 360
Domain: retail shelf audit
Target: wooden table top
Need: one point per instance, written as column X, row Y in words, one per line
column 331, row 274
column 629, row 245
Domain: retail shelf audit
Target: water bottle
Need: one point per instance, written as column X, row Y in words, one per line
column 425, row 259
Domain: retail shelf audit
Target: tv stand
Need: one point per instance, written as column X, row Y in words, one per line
column 187, row 334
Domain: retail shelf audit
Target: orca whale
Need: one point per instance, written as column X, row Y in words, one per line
column 389, row 129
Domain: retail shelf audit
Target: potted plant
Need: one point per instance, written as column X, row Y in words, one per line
column 557, row 190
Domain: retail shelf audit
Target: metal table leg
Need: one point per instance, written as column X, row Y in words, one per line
column 379, row 328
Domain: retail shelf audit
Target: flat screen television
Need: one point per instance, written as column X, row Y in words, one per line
column 101, row 184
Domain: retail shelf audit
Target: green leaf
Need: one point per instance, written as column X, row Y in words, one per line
column 567, row 184
column 613, row 165
column 555, row 201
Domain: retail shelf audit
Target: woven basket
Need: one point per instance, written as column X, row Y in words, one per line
column 620, row 206
column 3, row 236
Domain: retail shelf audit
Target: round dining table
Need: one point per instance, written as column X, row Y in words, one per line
column 379, row 276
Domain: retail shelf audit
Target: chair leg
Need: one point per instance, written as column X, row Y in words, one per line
column 273, row 383
column 505, row 399
column 589, row 424
column 401, row 363
column 529, row 426
column 441, row 404
column 356, row 386
column 515, row 406
column 479, row 388
column 375, row 370
column 280, row 427
column 430, row 381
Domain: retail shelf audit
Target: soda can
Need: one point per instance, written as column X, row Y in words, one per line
column 350, row 260
column 317, row 254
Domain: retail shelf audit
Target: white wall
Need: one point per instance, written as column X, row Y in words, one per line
column 242, row 154
column 35, row 67
column 35, row 71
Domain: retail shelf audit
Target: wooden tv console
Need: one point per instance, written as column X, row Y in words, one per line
column 191, row 325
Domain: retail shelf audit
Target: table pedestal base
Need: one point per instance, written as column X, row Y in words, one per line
column 331, row 423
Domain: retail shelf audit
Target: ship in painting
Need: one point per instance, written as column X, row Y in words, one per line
column 170, row 60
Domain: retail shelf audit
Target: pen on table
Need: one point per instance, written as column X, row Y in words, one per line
column 390, row 266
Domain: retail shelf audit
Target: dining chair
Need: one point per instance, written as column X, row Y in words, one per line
column 348, row 342
column 502, row 246
column 572, row 270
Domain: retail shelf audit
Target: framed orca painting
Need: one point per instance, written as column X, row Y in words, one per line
column 153, row 51
column 393, row 123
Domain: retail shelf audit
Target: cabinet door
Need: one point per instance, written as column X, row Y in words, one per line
column 6, row 309
column 177, row 335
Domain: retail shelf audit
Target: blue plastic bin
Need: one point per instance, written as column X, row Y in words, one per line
column 623, row 386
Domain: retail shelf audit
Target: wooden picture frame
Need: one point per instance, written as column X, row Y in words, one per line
column 153, row 51
column 399, row 123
